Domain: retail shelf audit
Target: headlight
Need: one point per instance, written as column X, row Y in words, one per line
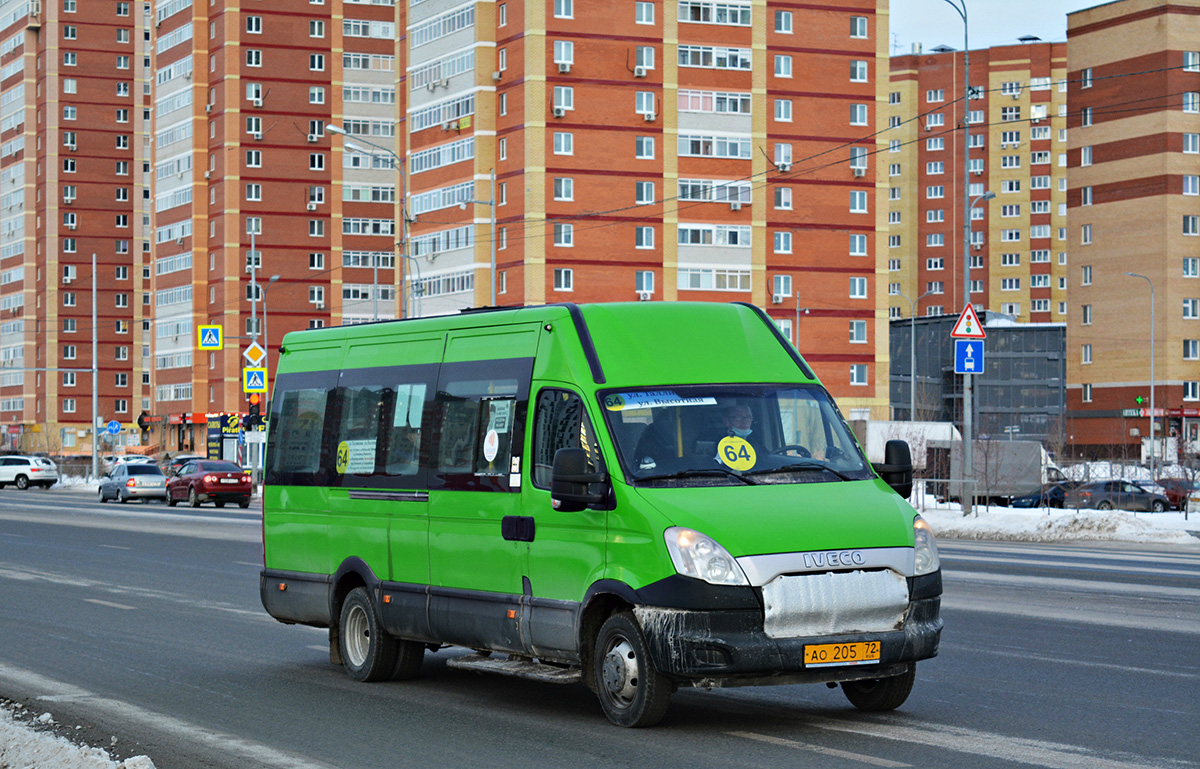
column 696, row 555
column 926, row 555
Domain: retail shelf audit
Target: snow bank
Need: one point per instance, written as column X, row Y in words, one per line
column 1042, row 525
column 23, row 746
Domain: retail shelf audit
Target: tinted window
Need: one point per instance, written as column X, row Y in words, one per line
column 214, row 467
column 143, row 470
column 561, row 422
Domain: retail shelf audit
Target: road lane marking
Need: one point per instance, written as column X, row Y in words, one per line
column 117, row 547
column 1024, row 655
column 1052, row 755
column 109, row 604
column 231, row 749
column 832, row 752
column 1083, row 585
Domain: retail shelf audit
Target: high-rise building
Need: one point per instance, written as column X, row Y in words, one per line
column 1018, row 142
column 1135, row 208
column 341, row 162
column 74, row 170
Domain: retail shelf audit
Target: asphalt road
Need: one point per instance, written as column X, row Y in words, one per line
column 144, row 622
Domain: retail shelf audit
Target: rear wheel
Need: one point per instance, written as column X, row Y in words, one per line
column 244, row 503
column 631, row 690
column 193, row 497
column 22, row 482
column 219, row 503
column 881, row 693
column 368, row 652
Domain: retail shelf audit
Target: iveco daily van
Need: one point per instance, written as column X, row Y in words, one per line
column 636, row 496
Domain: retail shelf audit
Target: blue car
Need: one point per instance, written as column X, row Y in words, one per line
column 1050, row 495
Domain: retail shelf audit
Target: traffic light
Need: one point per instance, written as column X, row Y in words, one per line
column 253, row 420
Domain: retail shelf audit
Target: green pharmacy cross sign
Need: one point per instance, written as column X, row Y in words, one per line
column 1139, row 400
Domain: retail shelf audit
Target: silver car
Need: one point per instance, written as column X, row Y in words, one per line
column 134, row 481
column 24, row 472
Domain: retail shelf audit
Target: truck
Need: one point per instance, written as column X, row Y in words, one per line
column 1004, row 469
column 920, row 436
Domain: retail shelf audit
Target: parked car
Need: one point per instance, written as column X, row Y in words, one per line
column 1050, row 495
column 134, row 480
column 172, row 465
column 1118, row 495
column 1177, row 490
column 24, row 472
column 113, row 461
column 209, row 480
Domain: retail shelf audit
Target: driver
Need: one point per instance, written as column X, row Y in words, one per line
column 739, row 421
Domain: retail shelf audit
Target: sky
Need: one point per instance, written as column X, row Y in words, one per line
column 993, row 22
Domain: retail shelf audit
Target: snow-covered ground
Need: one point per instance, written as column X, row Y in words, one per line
column 25, row 741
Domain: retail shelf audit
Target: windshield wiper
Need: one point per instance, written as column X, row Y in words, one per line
column 812, row 464
column 693, row 472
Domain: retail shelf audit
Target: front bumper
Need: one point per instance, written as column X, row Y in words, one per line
column 715, row 648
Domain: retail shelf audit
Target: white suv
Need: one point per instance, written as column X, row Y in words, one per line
column 24, row 472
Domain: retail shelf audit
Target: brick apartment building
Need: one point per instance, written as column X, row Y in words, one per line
column 1134, row 130
column 1017, row 120
column 658, row 151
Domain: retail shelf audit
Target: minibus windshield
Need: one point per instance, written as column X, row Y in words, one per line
column 722, row 435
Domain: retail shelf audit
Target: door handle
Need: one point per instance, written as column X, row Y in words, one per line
column 517, row 528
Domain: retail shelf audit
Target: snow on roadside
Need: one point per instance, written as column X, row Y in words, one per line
column 1051, row 525
column 22, row 745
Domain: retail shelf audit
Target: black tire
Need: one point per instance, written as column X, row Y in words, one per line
column 122, row 498
column 1106, row 505
column 171, row 501
column 1158, row 506
column 244, row 503
column 193, row 497
column 878, row 694
column 22, row 482
column 103, row 498
column 631, row 691
column 219, row 503
column 368, row 652
column 409, row 657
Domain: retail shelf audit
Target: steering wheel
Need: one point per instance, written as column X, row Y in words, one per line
column 800, row 450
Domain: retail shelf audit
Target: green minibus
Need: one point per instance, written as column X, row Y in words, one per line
column 635, row 496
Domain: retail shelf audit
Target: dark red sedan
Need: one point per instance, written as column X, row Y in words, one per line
column 209, row 480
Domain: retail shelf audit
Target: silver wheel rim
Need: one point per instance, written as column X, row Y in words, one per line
column 620, row 672
column 358, row 636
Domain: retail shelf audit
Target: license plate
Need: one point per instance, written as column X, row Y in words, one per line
column 830, row 655
column 230, row 480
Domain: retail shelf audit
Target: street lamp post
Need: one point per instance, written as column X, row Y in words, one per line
column 398, row 164
column 968, row 379
column 912, row 353
column 491, row 204
column 1152, row 435
column 266, row 329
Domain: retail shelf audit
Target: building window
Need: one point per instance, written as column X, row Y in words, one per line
column 1191, row 391
column 643, row 237
column 858, row 374
column 1191, row 267
column 1191, row 102
column 1191, row 309
column 1087, row 393
column 564, row 279
column 1085, row 354
column 858, row 71
column 1086, row 279
column 564, row 143
column 564, row 234
column 783, row 198
column 644, row 13
column 1191, row 224
column 858, row 114
column 858, row 27
column 858, row 288
column 316, row 28
column 564, row 97
column 1086, row 312
column 783, row 65
column 783, row 110
column 564, row 9
column 858, row 245
column 643, row 281
column 643, row 147
column 783, row 22
column 858, row 202
column 783, row 242
column 1191, row 349
column 1085, row 234
column 564, row 188
column 644, row 193
column 858, row 332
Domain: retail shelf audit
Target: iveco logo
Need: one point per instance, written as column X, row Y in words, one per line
column 834, row 558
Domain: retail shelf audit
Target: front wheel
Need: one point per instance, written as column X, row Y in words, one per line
column 368, row 652
column 103, row 498
column 171, row 501
column 1158, row 506
column 881, row 693
column 631, row 690
column 1104, row 506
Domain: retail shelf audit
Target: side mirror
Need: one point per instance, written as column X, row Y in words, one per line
column 570, row 479
column 896, row 470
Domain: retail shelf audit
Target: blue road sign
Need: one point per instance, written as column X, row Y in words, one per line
column 113, row 427
column 209, row 338
column 254, row 380
column 968, row 356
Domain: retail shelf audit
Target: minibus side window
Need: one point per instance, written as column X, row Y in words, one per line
column 299, row 429
column 402, row 455
column 358, row 434
column 561, row 422
column 477, row 421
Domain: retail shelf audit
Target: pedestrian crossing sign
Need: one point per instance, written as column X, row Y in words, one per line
column 209, row 338
column 254, row 380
